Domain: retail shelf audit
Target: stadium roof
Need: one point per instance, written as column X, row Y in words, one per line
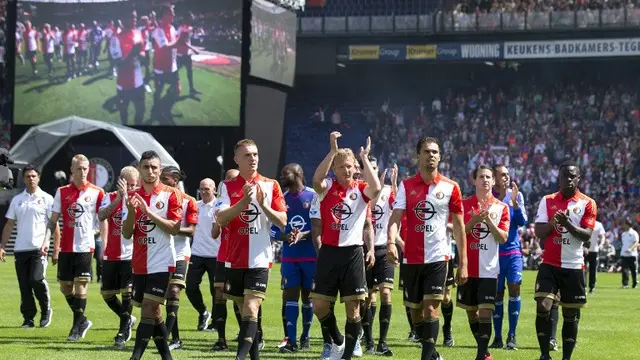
column 40, row 143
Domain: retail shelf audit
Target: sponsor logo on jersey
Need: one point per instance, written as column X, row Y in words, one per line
column 75, row 210
column 424, row 210
column 341, row 211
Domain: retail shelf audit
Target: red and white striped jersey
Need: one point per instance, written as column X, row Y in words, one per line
column 381, row 214
column 79, row 209
column 164, row 60
column 427, row 207
column 183, row 48
column 343, row 212
column 189, row 217
column 561, row 249
column 203, row 244
column 249, row 244
column 224, row 244
column 48, row 43
column 482, row 246
column 146, row 32
column 130, row 72
column 118, row 248
column 153, row 248
column 69, row 38
column 83, row 44
column 31, row 40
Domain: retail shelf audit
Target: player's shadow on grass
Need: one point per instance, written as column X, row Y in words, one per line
column 31, row 340
column 101, row 76
column 43, row 87
column 111, row 104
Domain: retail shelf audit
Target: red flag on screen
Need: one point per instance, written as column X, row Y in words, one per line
column 316, row 3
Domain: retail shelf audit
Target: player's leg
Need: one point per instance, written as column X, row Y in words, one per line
column 109, row 289
column 365, row 309
column 593, row 270
column 407, row 309
column 81, row 279
column 33, row 59
column 385, row 286
column 127, row 320
column 291, row 283
column 188, row 63
column 352, row 283
column 196, row 271
column 514, row 279
column 434, row 277
column 176, row 284
column 48, row 60
column 67, row 63
column 72, row 61
column 498, row 312
column 27, row 303
column 283, row 308
column 572, row 298
column 555, row 316
column 220, row 308
column 41, row 288
column 545, row 294
column 254, row 290
column 210, row 265
column 139, row 105
column 160, row 80
column 65, row 278
column 153, row 288
column 447, row 307
column 485, row 295
column 324, row 294
column 308, row 269
column 412, row 283
column 124, row 97
column 634, row 271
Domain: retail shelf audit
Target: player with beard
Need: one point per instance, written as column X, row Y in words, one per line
column 565, row 220
column 298, row 256
column 341, row 264
column 116, row 270
column 154, row 216
column 486, row 224
column 428, row 199
column 171, row 176
column 248, row 206
column 511, row 263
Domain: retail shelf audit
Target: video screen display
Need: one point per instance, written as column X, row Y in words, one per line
column 136, row 62
column 273, row 42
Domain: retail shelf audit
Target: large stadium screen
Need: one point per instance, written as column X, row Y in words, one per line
column 273, row 42
column 136, row 62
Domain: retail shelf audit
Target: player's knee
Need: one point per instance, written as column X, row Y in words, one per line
column 352, row 308
column 80, row 287
column 304, row 294
column 514, row 290
column 485, row 314
column 499, row 296
column 251, row 307
column 107, row 297
column 291, row 294
column 385, row 296
column 321, row 307
column 219, row 294
column 472, row 315
column 570, row 314
column 544, row 305
column 151, row 309
column 66, row 289
column 416, row 315
column 446, row 300
column 174, row 291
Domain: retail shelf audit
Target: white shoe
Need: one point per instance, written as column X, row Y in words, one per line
column 283, row 343
column 357, row 350
column 337, row 351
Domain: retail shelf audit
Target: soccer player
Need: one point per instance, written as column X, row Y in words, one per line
column 30, row 211
column 48, row 48
column 298, row 256
column 126, row 52
column 171, row 176
column 381, row 276
column 185, row 49
column 447, row 303
column 629, row 254
column 83, row 48
column 486, row 225
column 596, row 241
column 511, row 262
column 564, row 221
column 154, row 215
column 96, row 35
column 31, row 45
column 428, row 199
column 78, row 204
column 69, row 38
column 248, row 205
column 341, row 263
column 58, row 42
column 146, row 30
column 116, row 272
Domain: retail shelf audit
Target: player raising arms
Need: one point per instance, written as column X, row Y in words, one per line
column 486, row 224
column 341, row 264
column 511, row 264
column 298, row 256
column 565, row 220
column 428, row 199
column 248, row 205
column 78, row 203
column 171, row 176
column 116, row 271
column 154, row 214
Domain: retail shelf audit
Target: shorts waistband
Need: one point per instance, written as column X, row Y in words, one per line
column 380, row 247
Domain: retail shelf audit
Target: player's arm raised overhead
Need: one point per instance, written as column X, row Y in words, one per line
column 399, row 207
column 320, row 183
column 373, row 188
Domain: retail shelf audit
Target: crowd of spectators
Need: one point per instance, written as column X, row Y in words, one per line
column 5, row 90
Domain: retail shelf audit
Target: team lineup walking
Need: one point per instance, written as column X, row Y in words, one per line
column 344, row 236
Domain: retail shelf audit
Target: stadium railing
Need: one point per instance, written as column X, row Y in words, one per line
column 457, row 22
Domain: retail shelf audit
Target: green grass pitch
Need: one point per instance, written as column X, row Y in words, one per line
column 37, row 100
column 608, row 328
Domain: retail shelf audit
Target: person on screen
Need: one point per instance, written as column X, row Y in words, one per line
column 96, row 35
column 57, row 43
column 48, row 48
column 31, row 45
column 70, row 38
column 126, row 51
column 185, row 31
column 146, row 30
column 19, row 53
column 83, row 48
column 109, row 33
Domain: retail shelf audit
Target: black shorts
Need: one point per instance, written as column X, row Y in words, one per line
column 198, row 266
column 451, row 277
column 220, row 274
column 69, row 56
column 74, row 266
column 179, row 276
column 382, row 272
column 340, row 269
column 131, row 95
column 241, row 282
column 116, row 277
column 424, row 282
column 570, row 283
column 150, row 286
column 166, row 78
column 183, row 60
column 401, row 260
column 478, row 293
column 32, row 54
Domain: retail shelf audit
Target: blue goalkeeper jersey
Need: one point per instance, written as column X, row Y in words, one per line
column 298, row 206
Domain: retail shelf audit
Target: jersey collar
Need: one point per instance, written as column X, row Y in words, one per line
column 435, row 181
column 84, row 187
column 572, row 198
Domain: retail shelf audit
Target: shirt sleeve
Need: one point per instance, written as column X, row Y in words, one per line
column 277, row 200
column 224, row 202
column 590, row 214
column 192, row 212
column 99, row 200
column 542, row 217
column 392, row 199
column 57, row 205
column 520, row 201
column 106, row 201
column 455, row 202
column 11, row 212
column 401, row 198
column 49, row 200
column 361, row 186
column 314, row 209
column 505, row 221
column 114, row 48
column 174, row 212
column 160, row 37
column 275, row 232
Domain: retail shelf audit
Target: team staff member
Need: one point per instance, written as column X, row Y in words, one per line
column 486, row 225
column 341, row 262
column 248, row 205
column 564, row 221
column 154, row 215
column 172, row 176
column 596, row 241
column 30, row 211
column 116, row 270
column 428, row 199
column 629, row 254
column 78, row 203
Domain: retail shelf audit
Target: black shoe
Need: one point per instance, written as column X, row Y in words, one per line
column 203, row 320
column 590, row 291
column 211, row 327
column 305, row 343
column 370, row 348
column 497, row 344
column 80, row 331
column 128, row 327
column 119, row 341
column 436, row 356
column 45, row 318
column 542, row 357
column 448, row 340
column 553, row 345
column 383, row 350
column 289, row 349
column 220, row 346
column 28, row 323
column 511, row 342
column 413, row 337
column 175, row 344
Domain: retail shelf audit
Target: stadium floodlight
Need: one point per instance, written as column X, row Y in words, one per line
column 290, row 4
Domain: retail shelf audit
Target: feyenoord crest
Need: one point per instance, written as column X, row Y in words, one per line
column 353, row 196
column 101, row 173
column 305, row 204
column 159, row 205
column 439, row 195
column 383, row 197
column 577, row 210
column 493, row 215
column 87, row 198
